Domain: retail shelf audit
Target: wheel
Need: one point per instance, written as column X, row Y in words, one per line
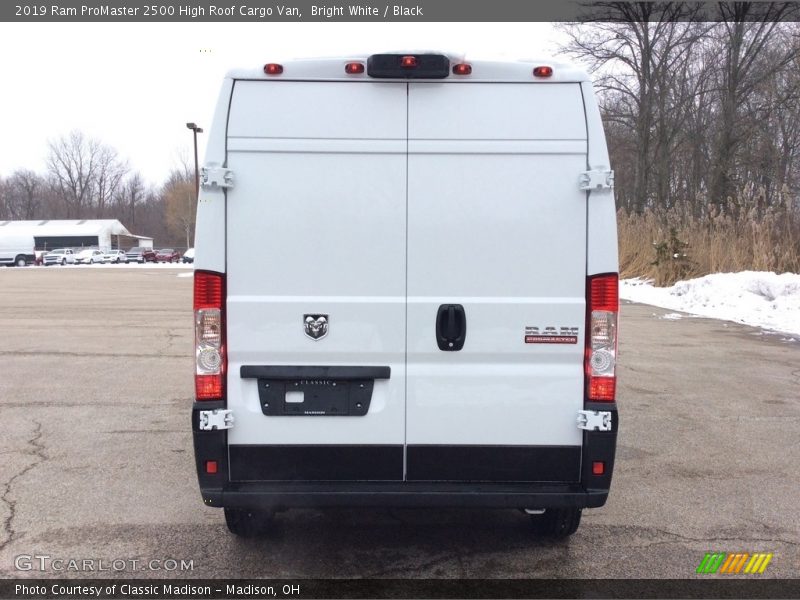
column 248, row 523
column 557, row 523
column 21, row 261
column 63, row 262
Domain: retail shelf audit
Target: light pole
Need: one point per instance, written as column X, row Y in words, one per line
column 195, row 129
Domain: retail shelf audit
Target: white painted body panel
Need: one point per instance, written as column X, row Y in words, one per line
column 601, row 239
column 501, row 231
column 317, row 226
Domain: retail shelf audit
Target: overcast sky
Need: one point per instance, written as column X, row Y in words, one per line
column 134, row 86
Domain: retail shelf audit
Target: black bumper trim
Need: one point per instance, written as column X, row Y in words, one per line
column 316, row 463
column 279, row 496
column 493, row 463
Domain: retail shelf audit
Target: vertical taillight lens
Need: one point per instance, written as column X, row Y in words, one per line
column 209, row 335
column 601, row 339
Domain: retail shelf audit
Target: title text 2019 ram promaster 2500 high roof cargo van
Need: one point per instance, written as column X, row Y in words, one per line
column 406, row 290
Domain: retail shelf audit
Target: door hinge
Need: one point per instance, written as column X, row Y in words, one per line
column 597, row 180
column 593, row 420
column 216, row 419
column 216, row 176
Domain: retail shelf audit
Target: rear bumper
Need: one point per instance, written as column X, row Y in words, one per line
column 279, row 496
column 581, row 488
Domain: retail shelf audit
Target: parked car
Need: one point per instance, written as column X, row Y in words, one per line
column 115, row 256
column 188, row 256
column 59, row 256
column 168, row 255
column 88, row 256
column 140, row 255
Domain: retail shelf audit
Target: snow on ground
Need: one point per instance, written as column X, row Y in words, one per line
column 755, row 298
column 149, row 265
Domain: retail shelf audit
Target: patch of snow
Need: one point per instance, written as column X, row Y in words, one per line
column 103, row 266
column 671, row 316
column 189, row 274
column 757, row 298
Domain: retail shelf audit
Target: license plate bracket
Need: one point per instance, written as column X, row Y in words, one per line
column 320, row 397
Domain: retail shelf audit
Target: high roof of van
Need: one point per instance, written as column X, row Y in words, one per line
column 333, row 69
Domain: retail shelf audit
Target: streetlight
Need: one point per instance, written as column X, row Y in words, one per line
column 196, row 130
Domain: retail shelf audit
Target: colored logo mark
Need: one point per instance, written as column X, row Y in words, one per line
column 734, row 563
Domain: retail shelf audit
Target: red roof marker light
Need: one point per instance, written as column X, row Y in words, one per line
column 542, row 71
column 273, row 69
column 462, row 69
column 408, row 62
column 354, row 68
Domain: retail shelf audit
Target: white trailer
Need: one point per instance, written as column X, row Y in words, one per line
column 406, row 290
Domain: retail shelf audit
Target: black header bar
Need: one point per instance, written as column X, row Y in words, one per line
column 149, row 11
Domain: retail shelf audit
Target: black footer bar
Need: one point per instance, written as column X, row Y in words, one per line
column 144, row 589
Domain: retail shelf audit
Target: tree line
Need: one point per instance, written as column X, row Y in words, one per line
column 702, row 121
column 86, row 179
column 697, row 112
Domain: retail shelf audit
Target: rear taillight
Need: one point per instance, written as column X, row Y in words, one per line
column 209, row 335
column 602, row 299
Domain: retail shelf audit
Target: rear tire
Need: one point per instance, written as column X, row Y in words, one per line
column 21, row 261
column 248, row 523
column 557, row 523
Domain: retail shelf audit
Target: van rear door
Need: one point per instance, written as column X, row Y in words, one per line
column 496, row 251
column 316, row 226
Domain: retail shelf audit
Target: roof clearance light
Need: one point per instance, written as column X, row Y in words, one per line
column 462, row 69
column 408, row 62
column 273, row 69
column 354, row 68
column 542, row 71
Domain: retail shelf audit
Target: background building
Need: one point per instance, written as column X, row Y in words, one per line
column 94, row 233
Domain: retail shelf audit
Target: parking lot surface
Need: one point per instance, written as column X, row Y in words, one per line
column 95, row 392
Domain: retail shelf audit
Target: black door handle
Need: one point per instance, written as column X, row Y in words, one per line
column 451, row 327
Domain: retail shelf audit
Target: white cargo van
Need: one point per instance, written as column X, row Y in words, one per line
column 406, row 290
column 16, row 249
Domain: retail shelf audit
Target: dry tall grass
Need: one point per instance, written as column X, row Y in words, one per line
column 676, row 243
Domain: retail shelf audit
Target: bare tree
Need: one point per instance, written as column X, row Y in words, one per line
column 637, row 52
column 130, row 195
column 85, row 172
column 4, row 214
column 180, row 204
column 110, row 173
column 748, row 30
column 72, row 163
column 24, row 194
